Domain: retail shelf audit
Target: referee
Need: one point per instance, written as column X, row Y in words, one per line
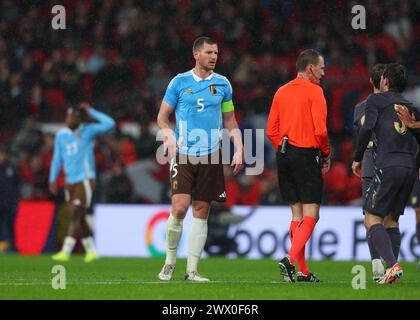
column 297, row 129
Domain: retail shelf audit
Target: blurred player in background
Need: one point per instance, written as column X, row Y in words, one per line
column 395, row 167
column 73, row 150
column 368, row 166
column 297, row 128
column 202, row 100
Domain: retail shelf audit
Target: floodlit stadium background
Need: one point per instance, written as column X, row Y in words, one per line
column 121, row 55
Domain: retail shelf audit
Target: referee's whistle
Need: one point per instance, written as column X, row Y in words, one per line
column 283, row 145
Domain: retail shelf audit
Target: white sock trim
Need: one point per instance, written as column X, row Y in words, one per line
column 89, row 244
column 68, row 245
column 173, row 235
column 377, row 266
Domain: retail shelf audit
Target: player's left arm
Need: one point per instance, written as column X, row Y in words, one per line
column 105, row 122
column 319, row 120
column 365, row 133
column 229, row 122
column 356, row 120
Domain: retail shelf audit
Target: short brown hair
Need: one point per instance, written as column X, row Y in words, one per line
column 376, row 74
column 307, row 57
column 199, row 42
column 397, row 76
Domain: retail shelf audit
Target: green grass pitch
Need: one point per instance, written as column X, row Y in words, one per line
column 26, row 277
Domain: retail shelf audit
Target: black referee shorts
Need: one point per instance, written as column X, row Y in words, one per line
column 299, row 174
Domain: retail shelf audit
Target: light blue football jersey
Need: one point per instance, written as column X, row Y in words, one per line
column 74, row 149
column 198, row 105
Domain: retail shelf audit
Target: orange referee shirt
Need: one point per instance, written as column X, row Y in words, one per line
column 299, row 110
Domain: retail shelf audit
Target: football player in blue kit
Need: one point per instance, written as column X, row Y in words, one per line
column 202, row 101
column 74, row 151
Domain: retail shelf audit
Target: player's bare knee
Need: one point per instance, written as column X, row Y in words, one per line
column 200, row 209
column 311, row 209
column 372, row 219
column 73, row 213
column 200, row 206
column 179, row 210
column 391, row 222
column 77, row 214
column 297, row 211
column 77, row 220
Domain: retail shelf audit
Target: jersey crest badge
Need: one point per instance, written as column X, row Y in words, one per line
column 213, row 89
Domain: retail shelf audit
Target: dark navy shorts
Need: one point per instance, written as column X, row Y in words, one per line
column 415, row 194
column 366, row 182
column 390, row 191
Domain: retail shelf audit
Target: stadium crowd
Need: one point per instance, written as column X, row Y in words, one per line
column 121, row 55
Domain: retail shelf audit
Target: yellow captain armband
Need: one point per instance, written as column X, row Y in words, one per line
column 227, row 106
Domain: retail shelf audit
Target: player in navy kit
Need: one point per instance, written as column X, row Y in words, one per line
column 202, row 101
column 396, row 168
column 368, row 166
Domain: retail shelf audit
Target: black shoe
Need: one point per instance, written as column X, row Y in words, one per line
column 287, row 269
column 307, row 278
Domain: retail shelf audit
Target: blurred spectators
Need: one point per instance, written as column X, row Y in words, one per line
column 146, row 145
column 119, row 188
column 9, row 195
column 28, row 139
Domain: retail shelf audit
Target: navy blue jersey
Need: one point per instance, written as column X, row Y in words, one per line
column 395, row 145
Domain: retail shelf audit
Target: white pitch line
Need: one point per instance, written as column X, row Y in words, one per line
column 140, row 282
column 120, row 282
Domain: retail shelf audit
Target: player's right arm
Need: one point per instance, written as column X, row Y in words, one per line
column 356, row 120
column 357, row 117
column 169, row 102
column 365, row 133
column 169, row 141
column 56, row 163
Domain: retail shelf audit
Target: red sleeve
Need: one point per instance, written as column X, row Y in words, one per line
column 319, row 118
column 273, row 124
